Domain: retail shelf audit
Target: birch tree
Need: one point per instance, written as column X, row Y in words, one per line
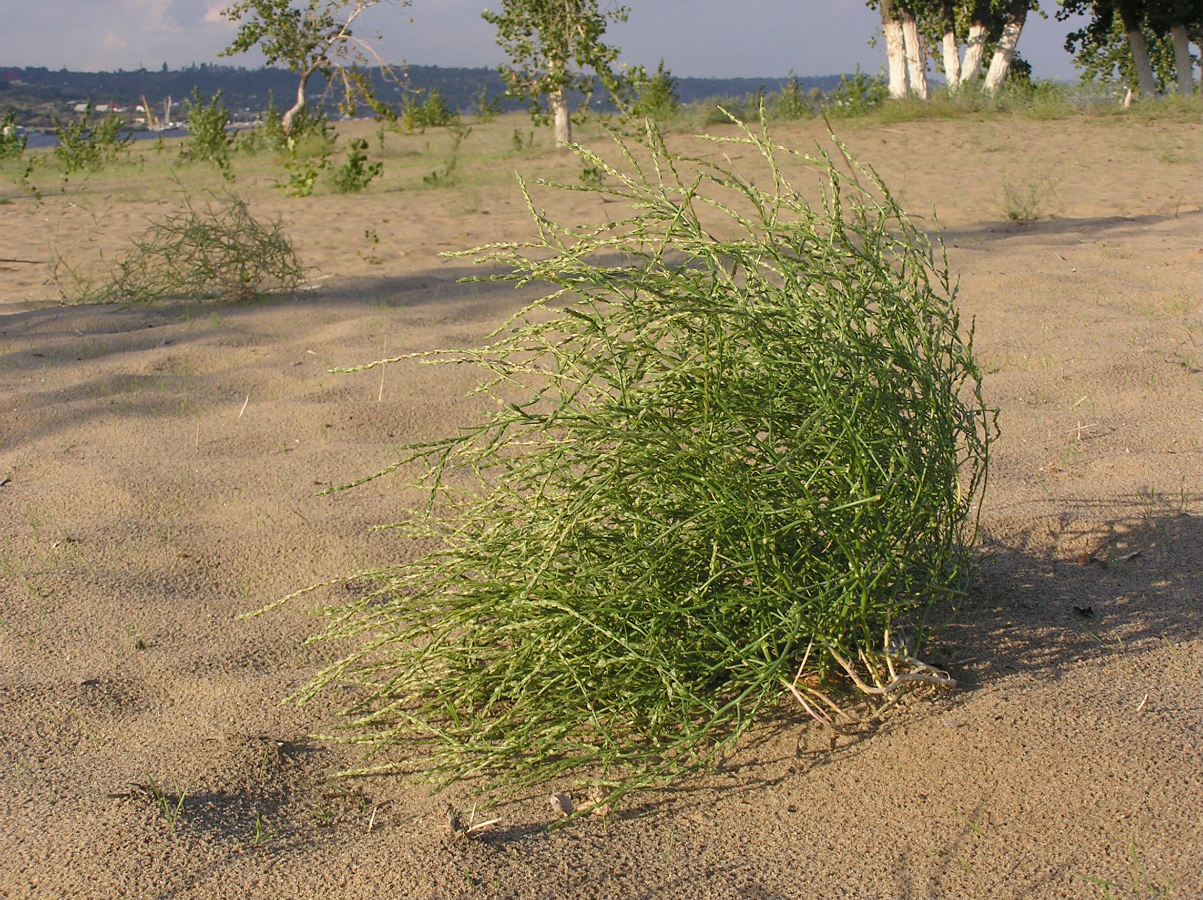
column 910, row 25
column 309, row 37
column 1154, row 31
column 1004, row 51
column 891, row 27
column 554, row 47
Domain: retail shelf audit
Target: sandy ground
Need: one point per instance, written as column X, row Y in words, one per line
column 160, row 469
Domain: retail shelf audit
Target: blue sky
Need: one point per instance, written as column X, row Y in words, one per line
column 694, row 37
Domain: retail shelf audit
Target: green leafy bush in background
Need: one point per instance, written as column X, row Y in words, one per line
column 209, row 139
column 82, row 147
column 734, row 456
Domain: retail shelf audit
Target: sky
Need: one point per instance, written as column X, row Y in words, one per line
column 698, row 38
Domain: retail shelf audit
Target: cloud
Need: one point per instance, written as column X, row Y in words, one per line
column 114, row 41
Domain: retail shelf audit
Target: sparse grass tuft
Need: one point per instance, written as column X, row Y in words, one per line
column 1025, row 201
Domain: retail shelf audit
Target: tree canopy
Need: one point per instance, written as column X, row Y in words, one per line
column 554, row 47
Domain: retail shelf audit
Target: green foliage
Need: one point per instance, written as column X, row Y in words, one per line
column 311, row 136
column 447, row 174
column 592, row 177
column 433, row 112
column 82, row 147
column 218, row 251
column 12, row 142
column 355, row 174
column 656, row 96
column 557, row 47
column 208, row 138
column 741, row 438
column 1104, row 56
column 303, row 174
column 307, row 36
column 791, row 102
column 484, row 107
column 857, row 95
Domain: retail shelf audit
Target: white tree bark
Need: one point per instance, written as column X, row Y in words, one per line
column 1182, row 61
column 563, row 122
column 290, row 116
column 952, row 60
column 1000, row 64
column 1144, row 68
column 557, row 101
column 895, row 52
column 975, row 49
column 916, row 58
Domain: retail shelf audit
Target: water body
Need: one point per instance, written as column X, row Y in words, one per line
column 41, row 139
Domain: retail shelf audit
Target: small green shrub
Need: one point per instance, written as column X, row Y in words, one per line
column 484, row 107
column 792, row 102
column 355, row 174
column 209, row 139
column 82, row 147
column 656, row 96
column 857, row 95
column 735, row 453
column 433, row 112
column 218, row 251
column 12, row 141
column 303, row 175
column 448, row 173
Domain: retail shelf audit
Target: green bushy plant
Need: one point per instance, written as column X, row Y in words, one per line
column 656, row 96
column 209, row 138
column 484, row 107
column 219, row 250
column 84, row 147
column 433, row 112
column 12, row 141
column 857, row 95
column 356, row 173
column 448, row 173
column 791, row 101
column 733, row 457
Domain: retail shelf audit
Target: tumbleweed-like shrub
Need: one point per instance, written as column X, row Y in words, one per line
column 213, row 250
column 739, row 444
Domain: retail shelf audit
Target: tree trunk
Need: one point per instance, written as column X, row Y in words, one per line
column 1182, row 61
column 895, row 52
column 558, row 101
column 952, row 58
column 290, row 116
column 1000, row 64
column 975, row 47
column 916, row 59
column 1140, row 49
column 1144, row 68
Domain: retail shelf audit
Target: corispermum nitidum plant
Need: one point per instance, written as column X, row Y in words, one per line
column 739, row 444
column 216, row 250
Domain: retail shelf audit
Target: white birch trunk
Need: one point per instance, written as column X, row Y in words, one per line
column 558, row 102
column 288, row 117
column 1144, row 68
column 916, row 59
column 1182, row 62
column 1000, row 64
column 895, row 57
column 975, row 49
column 952, row 60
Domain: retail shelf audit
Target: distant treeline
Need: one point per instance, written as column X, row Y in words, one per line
column 39, row 94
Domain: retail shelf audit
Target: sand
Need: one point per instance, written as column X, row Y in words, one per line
column 161, row 469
